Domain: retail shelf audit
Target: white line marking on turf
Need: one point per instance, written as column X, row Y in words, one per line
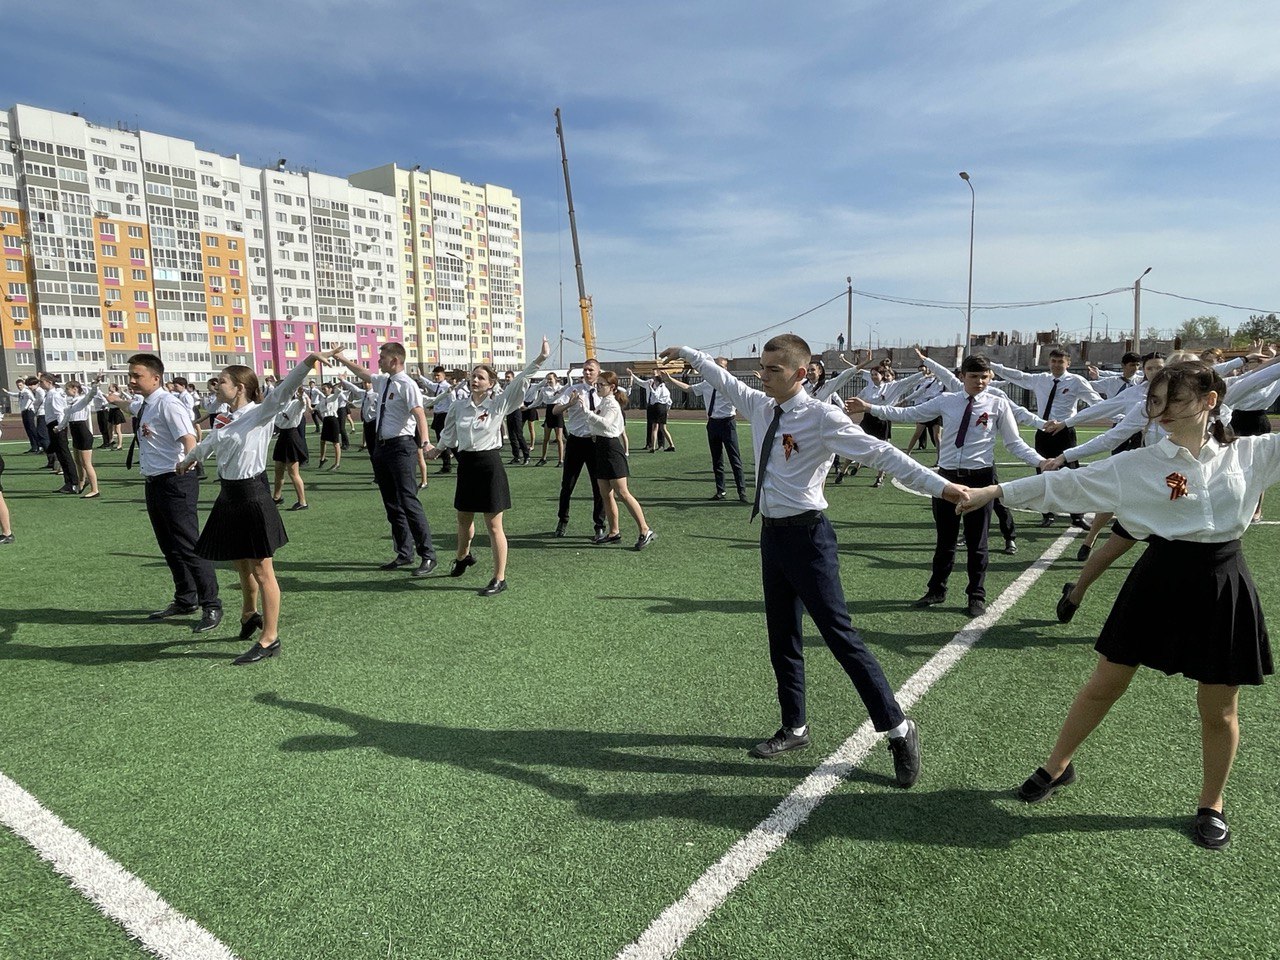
column 674, row 925
column 116, row 892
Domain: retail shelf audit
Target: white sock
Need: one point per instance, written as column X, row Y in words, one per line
column 800, row 730
column 899, row 731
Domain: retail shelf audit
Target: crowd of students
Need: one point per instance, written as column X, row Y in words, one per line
column 1191, row 461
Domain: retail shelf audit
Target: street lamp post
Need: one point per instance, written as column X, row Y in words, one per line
column 654, row 330
column 968, row 313
column 1137, row 311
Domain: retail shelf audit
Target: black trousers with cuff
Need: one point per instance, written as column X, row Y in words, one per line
column 976, row 524
column 171, row 506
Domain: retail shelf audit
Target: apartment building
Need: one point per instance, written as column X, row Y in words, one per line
column 117, row 241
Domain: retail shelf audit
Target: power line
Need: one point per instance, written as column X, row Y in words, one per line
column 1212, row 303
column 961, row 304
column 748, row 336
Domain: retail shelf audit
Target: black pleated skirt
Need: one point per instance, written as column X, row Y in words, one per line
column 1190, row 608
column 530, row 414
column 875, row 427
column 244, row 523
column 291, row 446
column 482, row 482
column 81, row 438
column 611, row 464
column 115, row 415
column 1250, row 423
column 330, row 430
column 553, row 421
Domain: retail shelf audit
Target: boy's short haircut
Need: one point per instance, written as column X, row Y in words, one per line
column 1059, row 352
column 975, row 363
column 794, row 349
column 438, row 370
column 394, row 349
column 148, row 360
column 1131, row 357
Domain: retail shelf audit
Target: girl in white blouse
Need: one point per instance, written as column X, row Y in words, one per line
column 552, row 422
column 607, row 426
column 244, row 525
column 1189, row 605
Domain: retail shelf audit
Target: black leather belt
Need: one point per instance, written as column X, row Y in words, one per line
column 809, row 518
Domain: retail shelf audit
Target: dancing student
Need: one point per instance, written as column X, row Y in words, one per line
column 6, row 530
column 290, row 450
column 1191, row 496
column 115, row 416
column 514, row 420
column 972, row 416
column 607, row 427
column 1116, row 384
column 530, row 414
column 1058, row 395
column 316, row 398
column 344, row 417
column 657, row 405
column 27, row 410
column 795, row 437
column 926, row 389
column 395, row 455
column 579, row 450
column 100, row 409
column 882, row 389
column 330, row 432
column 473, row 430
column 75, row 423
column 368, row 404
column 722, row 431
column 440, row 387
column 552, row 422
column 55, row 407
column 165, row 434
column 244, row 526
column 42, row 425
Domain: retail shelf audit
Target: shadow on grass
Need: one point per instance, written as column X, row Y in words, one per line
column 98, row 654
column 544, row 760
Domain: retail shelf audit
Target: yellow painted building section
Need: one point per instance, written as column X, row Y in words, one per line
column 17, row 311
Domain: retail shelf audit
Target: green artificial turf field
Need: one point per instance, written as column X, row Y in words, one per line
column 426, row 773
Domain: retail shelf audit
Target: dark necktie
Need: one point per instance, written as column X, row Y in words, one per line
column 591, row 398
column 1048, row 404
column 964, row 424
column 1124, row 385
column 711, row 405
column 765, row 449
column 382, row 405
column 133, row 444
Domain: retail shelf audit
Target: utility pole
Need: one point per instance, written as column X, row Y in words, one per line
column 654, row 330
column 848, row 323
column 1137, row 311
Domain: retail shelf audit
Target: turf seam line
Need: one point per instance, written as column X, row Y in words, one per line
column 665, row 936
column 118, row 894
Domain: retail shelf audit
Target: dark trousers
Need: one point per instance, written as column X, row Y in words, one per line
column 437, row 424
column 59, row 450
column 171, row 505
column 515, row 433
column 370, row 434
column 395, row 467
column 29, row 426
column 1008, row 529
column 800, row 572
column 1052, row 445
column 722, row 437
column 42, row 434
column 104, row 426
column 580, row 452
column 975, row 535
column 343, row 426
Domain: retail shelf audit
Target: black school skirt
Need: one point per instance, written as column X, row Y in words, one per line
column 81, row 438
column 1250, row 423
column 482, row 482
column 330, row 430
column 530, row 414
column 610, row 462
column 553, row 421
column 115, row 415
column 875, row 427
column 244, row 523
column 1190, row 608
column 291, row 446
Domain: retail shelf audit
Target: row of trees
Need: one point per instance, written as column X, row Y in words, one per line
column 1212, row 329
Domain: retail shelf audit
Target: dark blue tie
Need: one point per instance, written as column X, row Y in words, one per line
column 1048, row 404
column 765, row 449
column 964, row 423
column 711, row 405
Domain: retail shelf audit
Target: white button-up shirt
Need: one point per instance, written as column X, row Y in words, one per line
column 26, row 399
column 241, row 443
column 55, row 404
column 1141, row 488
column 992, row 413
column 478, row 426
column 574, row 421
column 724, row 407
column 1073, row 390
column 810, row 433
column 401, row 397
column 164, row 420
column 607, row 421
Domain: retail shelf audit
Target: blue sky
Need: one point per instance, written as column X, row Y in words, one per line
column 732, row 163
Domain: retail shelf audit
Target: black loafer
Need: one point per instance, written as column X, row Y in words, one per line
column 460, row 566
column 976, row 607
column 719, row 496
column 1080, row 523
column 172, row 610
column 1047, row 520
column 1011, row 548
column 1210, row 829
column 647, row 538
column 932, row 598
column 395, row 564
column 906, row 756
column 561, row 528
column 425, row 567
column 300, row 506
column 1040, row 786
column 495, row 587
column 1083, row 553
column 251, row 626
column 212, row 617
column 258, row 652
column 780, row 742
column 1066, row 609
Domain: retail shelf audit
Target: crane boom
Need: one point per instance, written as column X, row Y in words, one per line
column 584, row 302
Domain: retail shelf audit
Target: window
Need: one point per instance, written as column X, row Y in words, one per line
column 13, row 266
column 109, row 250
column 17, row 289
column 135, row 233
column 214, row 261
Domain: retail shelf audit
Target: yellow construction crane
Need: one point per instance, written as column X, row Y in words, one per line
column 584, row 302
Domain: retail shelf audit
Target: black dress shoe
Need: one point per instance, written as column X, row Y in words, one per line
column 1047, row 520
column 599, row 532
column 931, row 598
column 780, row 742
column 1080, row 522
column 277, row 500
column 425, row 567
column 258, row 652
column 460, row 566
column 1083, row 553
column 976, row 607
column 1040, row 786
column 742, row 497
column 1011, row 547
column 300, row 506
column 395, row 564
column 561, row 528
column 212, row 617
column 1210, row 829
column 495, row 587
column 251, row 626
column 172, row 610
column 719, row 495
column 644, row 539
column 906, row 756
column 1066, row 609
